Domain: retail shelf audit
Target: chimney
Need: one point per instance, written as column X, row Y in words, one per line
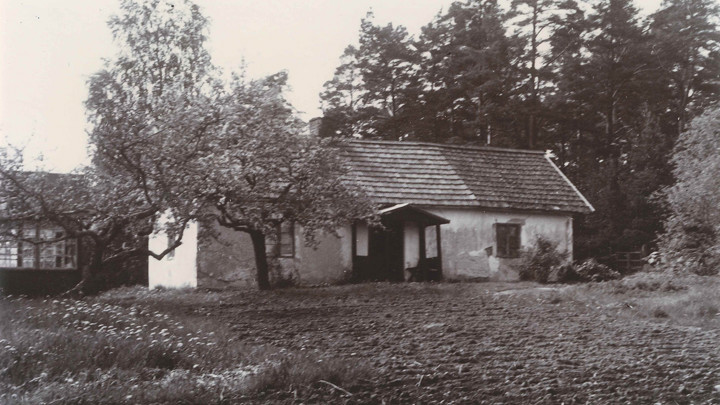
column 314, row 126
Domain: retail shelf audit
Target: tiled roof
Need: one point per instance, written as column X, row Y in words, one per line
column 428, row 174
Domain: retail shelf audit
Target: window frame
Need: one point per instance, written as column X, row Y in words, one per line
column 507, row 250
column 274, row 245
column 26, row 249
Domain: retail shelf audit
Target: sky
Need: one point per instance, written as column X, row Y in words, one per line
column 49, row 49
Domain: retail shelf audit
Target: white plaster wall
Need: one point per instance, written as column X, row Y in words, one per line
column 468, row 241
column 411, row 246
column 329, row 261
column 228, row 259
column 180, row 270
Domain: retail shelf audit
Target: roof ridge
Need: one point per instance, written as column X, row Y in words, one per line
column 447, row 146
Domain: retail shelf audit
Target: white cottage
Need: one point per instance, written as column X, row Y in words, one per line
column 450, row 212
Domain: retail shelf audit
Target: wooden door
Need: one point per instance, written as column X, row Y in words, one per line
column 385, row 252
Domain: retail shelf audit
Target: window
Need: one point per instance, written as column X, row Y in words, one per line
column 8, row 253
column 282, row 244
column 37, row 248
column 431, row 248
column 507, row 237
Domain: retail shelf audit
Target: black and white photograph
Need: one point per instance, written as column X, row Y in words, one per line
column 359, row 202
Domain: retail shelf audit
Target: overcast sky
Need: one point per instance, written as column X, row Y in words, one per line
column 49, row 48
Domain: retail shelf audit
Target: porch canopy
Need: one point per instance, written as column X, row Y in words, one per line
column 410, row 213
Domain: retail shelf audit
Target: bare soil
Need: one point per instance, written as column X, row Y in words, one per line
column 478, row 343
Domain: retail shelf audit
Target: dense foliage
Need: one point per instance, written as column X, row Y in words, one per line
column 544, row 263
column 605, row 89
column 538, row 262
column 692, row 238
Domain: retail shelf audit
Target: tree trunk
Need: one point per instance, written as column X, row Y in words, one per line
column 533, row 78
column 261, row 263
column 88, row 284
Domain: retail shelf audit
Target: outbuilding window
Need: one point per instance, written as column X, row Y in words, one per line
column 507, row 238
column 32, row 247
column 282, row 244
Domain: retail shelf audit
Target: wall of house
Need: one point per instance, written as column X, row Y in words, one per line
column 37, row 282
column 328, row 262
column 469, row 250
column 226, row 258
column 179, row 269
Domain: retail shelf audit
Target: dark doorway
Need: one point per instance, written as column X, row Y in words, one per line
column 385, row 250
column 384, row 260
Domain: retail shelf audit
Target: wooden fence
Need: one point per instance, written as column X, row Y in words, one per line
column 628, row 262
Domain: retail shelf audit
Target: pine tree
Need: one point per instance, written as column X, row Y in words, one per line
column 686, row 44
column 536, row 22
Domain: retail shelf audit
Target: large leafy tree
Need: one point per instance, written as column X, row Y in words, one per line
column 692, row 235
column 261, row 170
column 232, row 153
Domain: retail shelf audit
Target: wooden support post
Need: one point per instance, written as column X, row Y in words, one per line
column 629, row 266
column 423, row 254
column 354, row 239
column 439, row 245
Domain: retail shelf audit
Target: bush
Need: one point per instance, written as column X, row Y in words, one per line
column 537, row 264
column 545, row 264
column 565, row 273
column 591, row 270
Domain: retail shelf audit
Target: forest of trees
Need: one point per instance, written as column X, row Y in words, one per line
column 604, row 88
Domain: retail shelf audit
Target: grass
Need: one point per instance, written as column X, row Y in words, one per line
column 686, row 300
column 121, row 347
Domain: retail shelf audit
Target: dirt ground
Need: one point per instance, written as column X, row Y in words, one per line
column 480, row 343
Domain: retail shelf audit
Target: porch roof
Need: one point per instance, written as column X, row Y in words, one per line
column 409, row 212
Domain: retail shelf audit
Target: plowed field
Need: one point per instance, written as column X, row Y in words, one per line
column 479, row 343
